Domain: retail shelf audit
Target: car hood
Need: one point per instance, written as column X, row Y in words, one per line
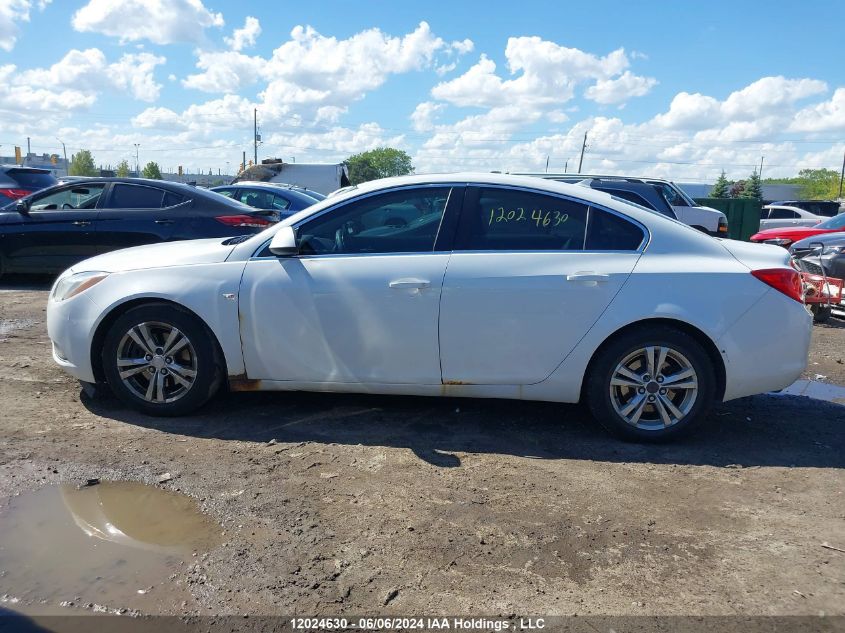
column 828, row 239
column 791, row 230
column 208, row 251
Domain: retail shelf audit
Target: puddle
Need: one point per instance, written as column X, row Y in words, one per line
column 106, row 547
column 7, row 326
column 816, row 390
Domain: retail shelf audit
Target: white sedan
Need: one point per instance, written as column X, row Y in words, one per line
column 484, row 286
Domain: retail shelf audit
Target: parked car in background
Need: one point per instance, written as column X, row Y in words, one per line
column 775, row 216
column 308, row 192
column 823, row 254
column 493, row 287
column 823, row 208
column 280, row 201
column 54, row 228
column 705, row 219
column 17, row 182
column 640, row 193
column 789, row 235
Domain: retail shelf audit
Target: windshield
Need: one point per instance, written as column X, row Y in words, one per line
column 833, row 223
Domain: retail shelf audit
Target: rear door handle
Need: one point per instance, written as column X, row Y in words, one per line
column 586, row 276
column 164, row 221
column 81, row 223
column 410, row 283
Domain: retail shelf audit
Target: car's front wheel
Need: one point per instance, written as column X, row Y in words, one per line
column 651, row 384
column 161, row 360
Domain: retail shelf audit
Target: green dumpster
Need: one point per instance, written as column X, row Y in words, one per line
column 743, row 214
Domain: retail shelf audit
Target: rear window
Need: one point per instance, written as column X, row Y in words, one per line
column 172, row 199
column 31, row 178
column 136, row 197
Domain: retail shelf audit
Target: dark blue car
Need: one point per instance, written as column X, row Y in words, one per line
column 54, row 228
column 281, row 200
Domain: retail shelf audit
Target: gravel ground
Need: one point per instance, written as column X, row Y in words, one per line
column 387, row 505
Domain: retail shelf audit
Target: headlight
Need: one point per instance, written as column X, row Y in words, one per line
column 833, row 250
column 72, row 285
column 778, row 241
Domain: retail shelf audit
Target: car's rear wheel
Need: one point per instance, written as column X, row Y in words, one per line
column 161, row 360
column 651, row 384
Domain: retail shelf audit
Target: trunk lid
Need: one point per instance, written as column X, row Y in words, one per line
column 757, row 256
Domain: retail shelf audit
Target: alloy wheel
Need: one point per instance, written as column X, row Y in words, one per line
column 156, row 362
column 654, row 387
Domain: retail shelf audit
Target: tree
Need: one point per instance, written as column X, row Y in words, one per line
column 814, row 183
column 736, row 189
column 722, row 187
column 752, row 189
column 151, row 170
column 82, row 164
column 123, row 169
column 381, row 162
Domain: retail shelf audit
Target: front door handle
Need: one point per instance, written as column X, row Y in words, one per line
column 81, row 223
column 588, row 276
column 164, row 221
column 410, row 283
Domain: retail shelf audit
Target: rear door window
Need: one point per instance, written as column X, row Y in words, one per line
column 136, row 197
column 500, row 219
column 609, row 232
column 782, row 214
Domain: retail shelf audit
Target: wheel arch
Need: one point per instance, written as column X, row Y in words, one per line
column 117, row 311
column 699, row 336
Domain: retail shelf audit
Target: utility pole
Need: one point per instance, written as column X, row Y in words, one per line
column 137, row 164
column 255, row 133
column 566, row 166
column 64, row 151
column 761, row 168
column 842, row 176
column 244, row 163
column 583, row 147
column 547, row 164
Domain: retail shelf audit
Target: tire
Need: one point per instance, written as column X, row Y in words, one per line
column 172, row 391
column 653, row 421
column 821, row 314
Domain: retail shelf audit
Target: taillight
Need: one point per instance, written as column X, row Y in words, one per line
column 785, row 280
column 243, row 221
column 15, row 194
column 723, row 226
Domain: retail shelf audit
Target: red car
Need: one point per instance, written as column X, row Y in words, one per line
column 786, row 236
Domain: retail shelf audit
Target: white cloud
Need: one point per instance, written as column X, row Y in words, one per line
column 822, row 117
column 246, row 36
column 424, row 114
column 159, row 21
column 620, row 89
column 21, row 101
column 226, row 71
column 769, row 94
column 89, row 72
column 11, row 13
column 690, row 111
column 544, row 75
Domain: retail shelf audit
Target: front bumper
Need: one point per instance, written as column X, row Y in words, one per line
column 70, row 326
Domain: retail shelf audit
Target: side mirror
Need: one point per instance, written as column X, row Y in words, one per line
column 22, row 207
column 284, row 242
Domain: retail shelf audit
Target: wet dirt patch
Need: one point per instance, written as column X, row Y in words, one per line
column 112, row 547
column 7, row 326
column 816, row 390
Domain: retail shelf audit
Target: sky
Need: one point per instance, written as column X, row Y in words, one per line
column 680, row 89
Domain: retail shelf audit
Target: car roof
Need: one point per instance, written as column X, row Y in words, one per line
column 786, row 206
column 553, row 176
column 39, row 170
